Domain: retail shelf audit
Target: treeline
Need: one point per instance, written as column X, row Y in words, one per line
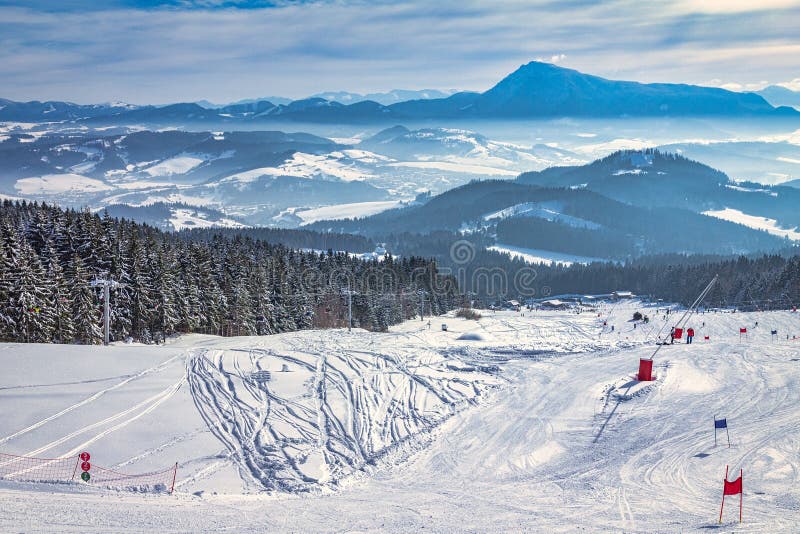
column 766, row 282
column 214, row 285
column 533, row 232
column 297, row 239
column 754, row 281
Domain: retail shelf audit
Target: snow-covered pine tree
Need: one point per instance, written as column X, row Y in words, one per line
column 165, row 291
column 29, row 296
column 86, row 315
column 59, row 298
column 140, row 290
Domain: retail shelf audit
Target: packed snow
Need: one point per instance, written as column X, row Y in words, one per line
column 533, row 421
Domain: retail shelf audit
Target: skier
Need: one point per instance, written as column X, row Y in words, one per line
column 689, row 336
column 672, row 336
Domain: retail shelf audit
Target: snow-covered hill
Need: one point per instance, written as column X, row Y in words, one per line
column 532, row 421
column 253, row 177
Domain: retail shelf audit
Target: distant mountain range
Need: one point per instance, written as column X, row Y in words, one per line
column 250, row 177
column 57, row 111
column 535, row 90
column 780, row 96
column 391, row 97
column 344, row 97
column 274, row 99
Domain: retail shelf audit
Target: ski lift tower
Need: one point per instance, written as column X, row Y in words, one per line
column 422, row 293
column 107, row 285
column 349, row 294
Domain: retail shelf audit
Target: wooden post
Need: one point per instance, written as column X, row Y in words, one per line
column 723, row 495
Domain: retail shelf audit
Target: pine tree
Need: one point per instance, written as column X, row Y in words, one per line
column 165, row 292
column 85, row 305
column 59, row 298
column 29, row 294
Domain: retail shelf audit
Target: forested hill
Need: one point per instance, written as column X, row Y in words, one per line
column 239, row 286
column 292, row 238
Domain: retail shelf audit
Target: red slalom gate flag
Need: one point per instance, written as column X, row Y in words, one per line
column 732, row 488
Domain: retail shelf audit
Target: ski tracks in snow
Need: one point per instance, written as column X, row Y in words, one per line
column 90, row 399
column 344, row 405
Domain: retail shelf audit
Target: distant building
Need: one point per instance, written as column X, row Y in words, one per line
column 554, row 304
column 622, row 295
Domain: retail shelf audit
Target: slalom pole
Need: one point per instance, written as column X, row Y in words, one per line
column 715, row 430
column 723, row 495
column 728, row 433
column 741, row 493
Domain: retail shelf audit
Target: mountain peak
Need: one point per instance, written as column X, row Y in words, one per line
column 544, row 89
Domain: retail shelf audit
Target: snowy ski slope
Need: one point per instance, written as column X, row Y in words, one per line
column 535, row 424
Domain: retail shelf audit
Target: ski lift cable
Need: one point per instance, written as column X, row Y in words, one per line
column 688, row 313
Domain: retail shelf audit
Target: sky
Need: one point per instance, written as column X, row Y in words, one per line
column 148, row 51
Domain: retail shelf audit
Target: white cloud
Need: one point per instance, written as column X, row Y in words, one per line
column 552, row 59
column 734, row 86
column 794, row 85
column 725, row 7
column 167, row 55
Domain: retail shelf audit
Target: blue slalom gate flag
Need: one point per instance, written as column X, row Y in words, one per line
column 718, row 424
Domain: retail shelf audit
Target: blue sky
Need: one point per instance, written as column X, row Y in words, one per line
column 144, row 51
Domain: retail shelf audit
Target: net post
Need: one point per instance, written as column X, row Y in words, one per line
column 74, row 471
column 174, row 475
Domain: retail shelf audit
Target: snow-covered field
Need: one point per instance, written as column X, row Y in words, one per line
column 752, row 221
column 539, row 256
column 448, row 166
column 59, row 184
column 346, row 211
column 530, row 422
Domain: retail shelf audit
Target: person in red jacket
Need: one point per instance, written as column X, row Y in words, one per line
column 689, row 335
